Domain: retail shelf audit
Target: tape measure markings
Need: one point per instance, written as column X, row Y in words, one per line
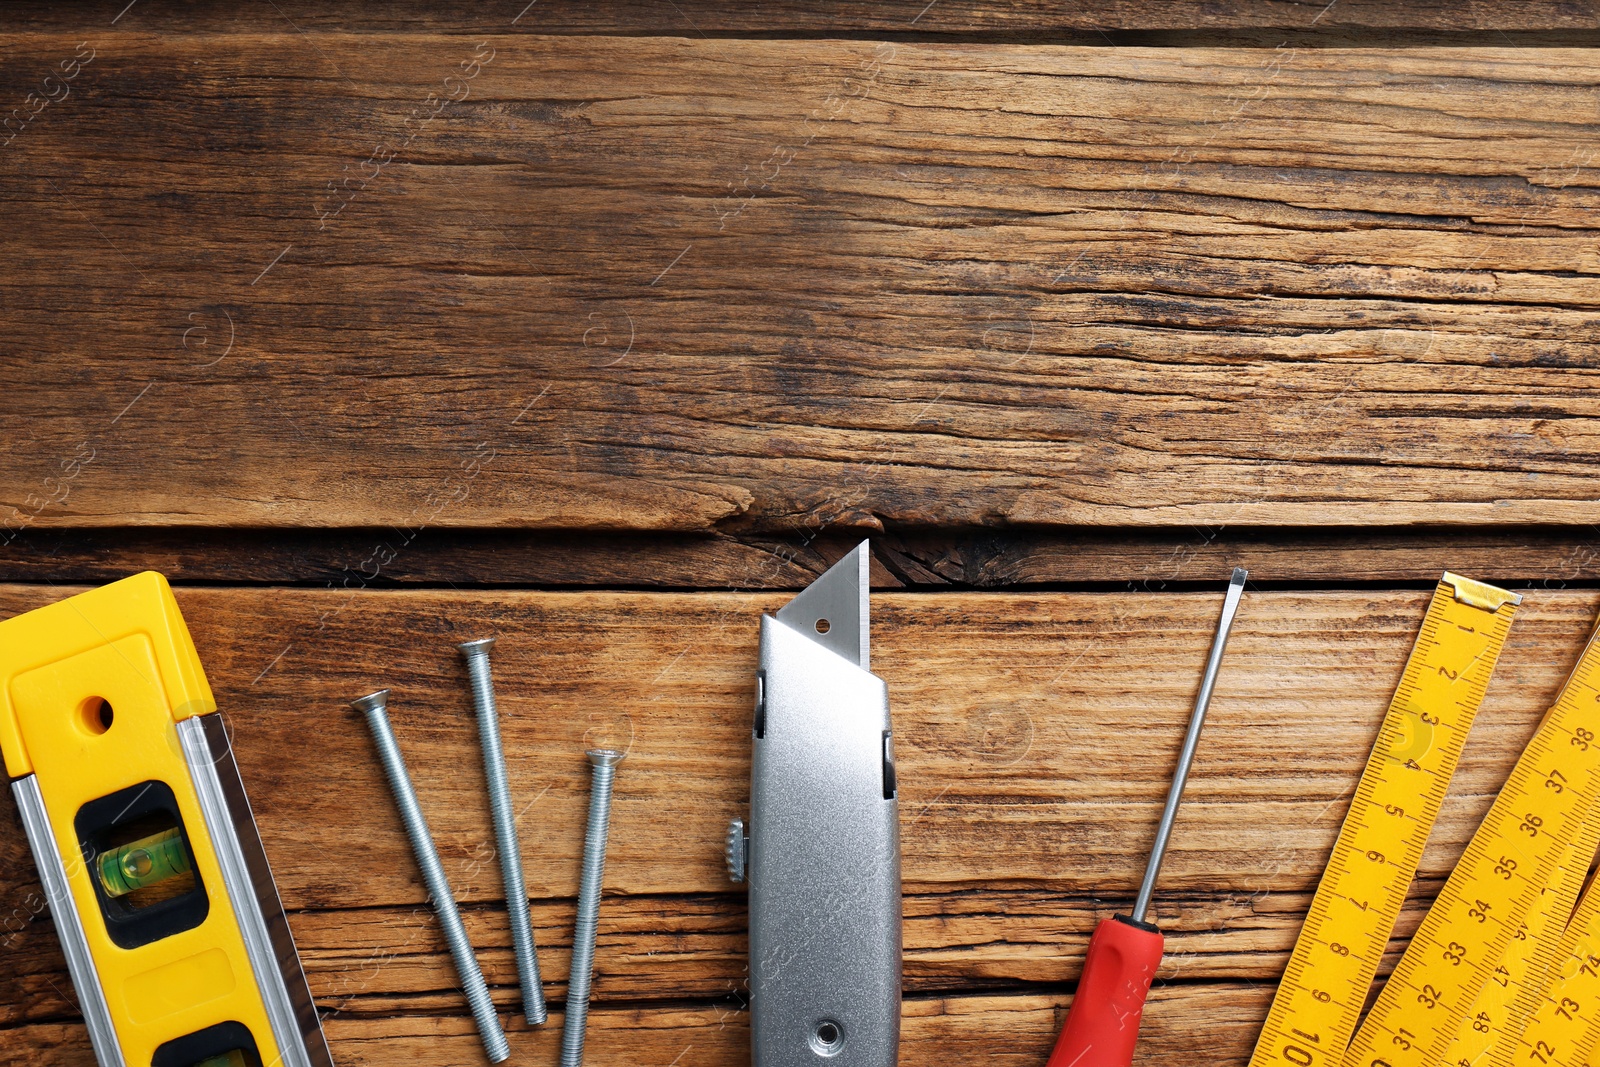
column 1487, row 1025
column 1581, row 695
column 1486, row 899
column 1386, row 829
column 1565, row 1024
column 1541, row 815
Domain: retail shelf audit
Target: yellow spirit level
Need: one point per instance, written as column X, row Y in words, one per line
column 171, row 924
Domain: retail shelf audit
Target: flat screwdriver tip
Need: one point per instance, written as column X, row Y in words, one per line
column 1191, row 741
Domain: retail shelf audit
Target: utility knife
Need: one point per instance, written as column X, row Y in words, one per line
column 822, row 850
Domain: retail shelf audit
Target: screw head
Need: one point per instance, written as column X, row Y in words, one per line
column 478, row 647
column 605, row 757
column 378, row 701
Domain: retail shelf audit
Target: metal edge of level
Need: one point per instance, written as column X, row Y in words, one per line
column 69, row 925
column 242, row 891
column 270, row 904
column 293, row 973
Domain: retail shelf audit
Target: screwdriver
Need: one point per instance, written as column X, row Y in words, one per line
column 1103, row 1023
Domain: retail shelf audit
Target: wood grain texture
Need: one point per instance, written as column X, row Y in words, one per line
column 1012, row 1031
column 690, row 296
column 657, row 284
column 1022, row 19
column 1035, row 733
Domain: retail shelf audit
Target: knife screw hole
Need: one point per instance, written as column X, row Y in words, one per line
column 823, row 626
column 827, row 1038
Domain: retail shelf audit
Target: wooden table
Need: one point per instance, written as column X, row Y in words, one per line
column 604, row 328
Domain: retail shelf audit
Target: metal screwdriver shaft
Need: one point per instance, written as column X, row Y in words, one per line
column 604, row 763
column 1191, row 741
column 505, row 827
column 1102, row 1026
column 375, row 707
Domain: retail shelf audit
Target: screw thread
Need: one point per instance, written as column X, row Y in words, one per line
column 505, row 834
column 444, row 903
column 583, row 934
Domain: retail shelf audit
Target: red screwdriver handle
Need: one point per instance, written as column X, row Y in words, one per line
column 1103, row 1022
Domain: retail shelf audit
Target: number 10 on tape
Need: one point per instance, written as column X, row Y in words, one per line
column 1319, row 1001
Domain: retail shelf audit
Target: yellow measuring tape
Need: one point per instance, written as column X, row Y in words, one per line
column 1488, row 1025
column 1556, row 1020
column 1314, row 1013
column 1565, row 1018
column 1519, row 861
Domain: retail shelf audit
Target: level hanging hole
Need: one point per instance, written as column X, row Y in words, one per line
column 96, row 715
column 823, row 626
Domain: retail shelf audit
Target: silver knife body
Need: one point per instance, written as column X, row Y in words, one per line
column 824, row 842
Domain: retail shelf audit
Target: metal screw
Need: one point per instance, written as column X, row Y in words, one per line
column 375, row 707
column 604, row 772
column 505, row 827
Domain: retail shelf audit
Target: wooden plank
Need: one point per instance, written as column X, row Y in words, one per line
column 1215, row 1021
column 1150, row 560
column 657, row 284
column 374, row 961
column 1035, row 733
column 698, row 18
column 1045, row 722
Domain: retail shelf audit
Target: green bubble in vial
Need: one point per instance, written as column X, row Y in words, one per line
column 144, row 862
column 227, row 1059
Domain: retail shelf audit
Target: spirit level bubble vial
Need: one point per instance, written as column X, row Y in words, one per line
column 148, row 853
